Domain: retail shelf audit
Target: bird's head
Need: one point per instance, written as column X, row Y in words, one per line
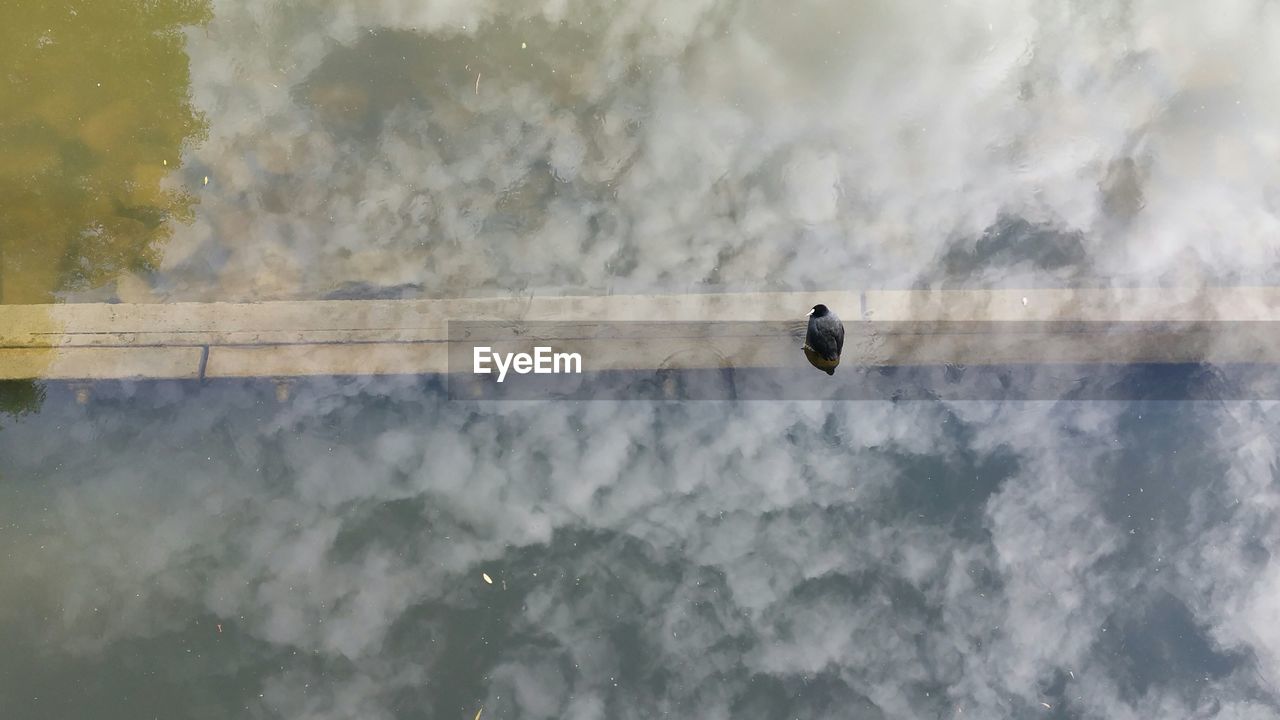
column 818, row 311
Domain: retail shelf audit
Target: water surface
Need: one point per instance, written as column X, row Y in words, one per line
column 211, row 551
column 227, row 150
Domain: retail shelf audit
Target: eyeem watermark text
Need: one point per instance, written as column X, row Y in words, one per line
column 543, row 361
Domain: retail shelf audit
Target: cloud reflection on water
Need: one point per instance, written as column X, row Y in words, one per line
column 856, row 559
column 675, row 144
column 849, row 559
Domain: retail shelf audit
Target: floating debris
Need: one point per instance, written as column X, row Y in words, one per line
column 486, row 577
column 1047, row 706
column 206, row 179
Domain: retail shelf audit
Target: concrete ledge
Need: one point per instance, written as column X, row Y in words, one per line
column 100, row 363
column 327, row 359
column 358, row 337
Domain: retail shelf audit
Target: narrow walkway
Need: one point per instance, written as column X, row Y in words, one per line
column 359, row 337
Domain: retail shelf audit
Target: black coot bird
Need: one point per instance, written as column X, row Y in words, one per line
column 824, row 339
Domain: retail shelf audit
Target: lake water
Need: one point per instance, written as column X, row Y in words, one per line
column 371, row 548
column 185, row 552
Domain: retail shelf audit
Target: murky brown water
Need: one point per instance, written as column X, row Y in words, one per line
column 95, row 117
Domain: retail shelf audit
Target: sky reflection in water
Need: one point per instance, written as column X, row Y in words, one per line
column 862, row 559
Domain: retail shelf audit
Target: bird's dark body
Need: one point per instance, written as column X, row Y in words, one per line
column 824, row 339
